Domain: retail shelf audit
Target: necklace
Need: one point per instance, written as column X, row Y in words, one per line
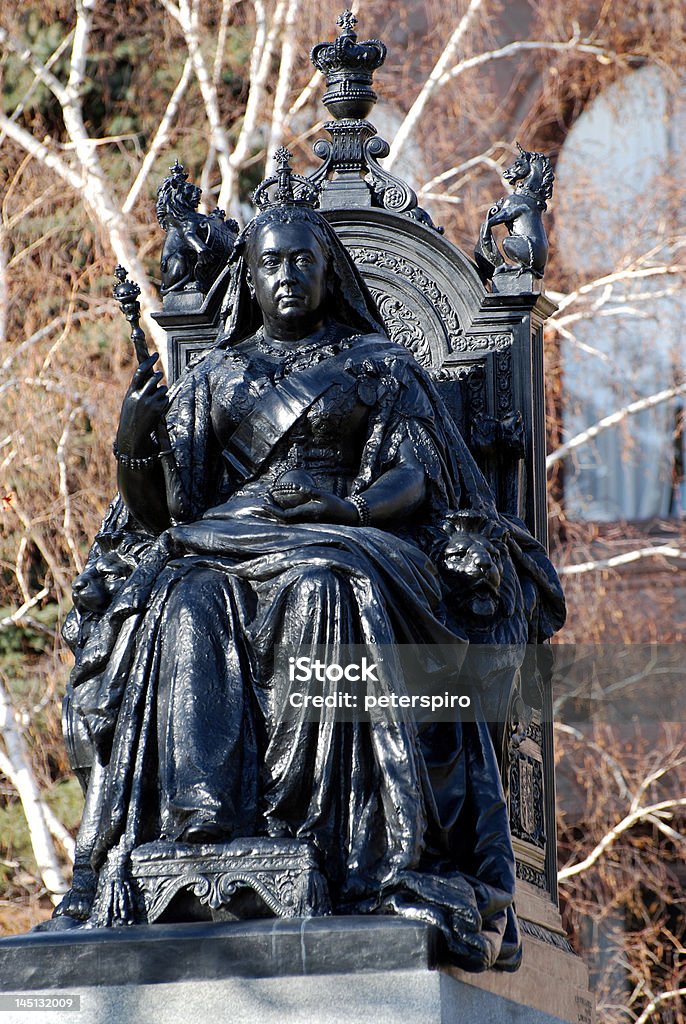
column 291, row 356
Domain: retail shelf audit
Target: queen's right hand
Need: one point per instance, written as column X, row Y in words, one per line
column 144, row 405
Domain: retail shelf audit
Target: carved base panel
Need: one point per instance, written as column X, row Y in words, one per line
column 282, row 873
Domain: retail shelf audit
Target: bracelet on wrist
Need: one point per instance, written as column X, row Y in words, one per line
column 131, row 462
column 363, row 513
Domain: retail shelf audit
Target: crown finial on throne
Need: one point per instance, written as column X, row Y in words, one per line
column 347, row 22
column 349, row 68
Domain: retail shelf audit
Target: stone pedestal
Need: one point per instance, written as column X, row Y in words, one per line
column 311, row 971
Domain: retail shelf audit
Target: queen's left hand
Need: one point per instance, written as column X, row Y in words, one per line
column 320, row 507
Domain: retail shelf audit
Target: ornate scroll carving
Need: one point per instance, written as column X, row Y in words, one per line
column 488, row 342
column 393, row 194
column 284, row 874
column 503, row 362
column 475, row 377
column 403, row 326
column 414, row 274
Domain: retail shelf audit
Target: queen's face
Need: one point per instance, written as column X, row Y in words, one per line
column 288, row 270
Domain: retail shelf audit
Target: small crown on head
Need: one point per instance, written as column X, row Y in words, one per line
column 178, row 173
column 285, row 188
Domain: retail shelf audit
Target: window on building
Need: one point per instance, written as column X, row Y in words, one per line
column 619, row 179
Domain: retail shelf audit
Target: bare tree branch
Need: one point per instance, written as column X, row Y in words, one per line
column 581, row 345
column 47, row 329
column 520, row 46
column 59, row 832
column 4, row 291
column 55, row 826
column 16, row 765
column 278, row 123
column 39, row 202
column 303, row 98
column 614, row 833
column 52, row 59
column 432, row 83
column 483, row 159
column 210, row 159
column 584, row 436
column 442, row 197
column 19, row 613
column 626, row 305
column 104, row 140
column 630, row 273
column 188, row 20
column 612, row 763
column 161, row 137
column 227, row 8
column 22, row 581
column 600, row 564
column 91, row 182
column 651, row 778
column 260, row 66
column 60, row 455
column 95, row 188
column 653, row 1005
column 43, row 542
column 37, row 243
column 442, row 74
column 41, row 71
column 40, row 151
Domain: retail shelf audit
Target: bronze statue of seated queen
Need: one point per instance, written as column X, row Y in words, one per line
column 294, row 489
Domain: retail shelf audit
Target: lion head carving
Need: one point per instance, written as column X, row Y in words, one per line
column 94, row 589
column 485, row 592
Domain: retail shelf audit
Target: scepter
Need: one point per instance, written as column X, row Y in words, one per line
column 126, row 293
